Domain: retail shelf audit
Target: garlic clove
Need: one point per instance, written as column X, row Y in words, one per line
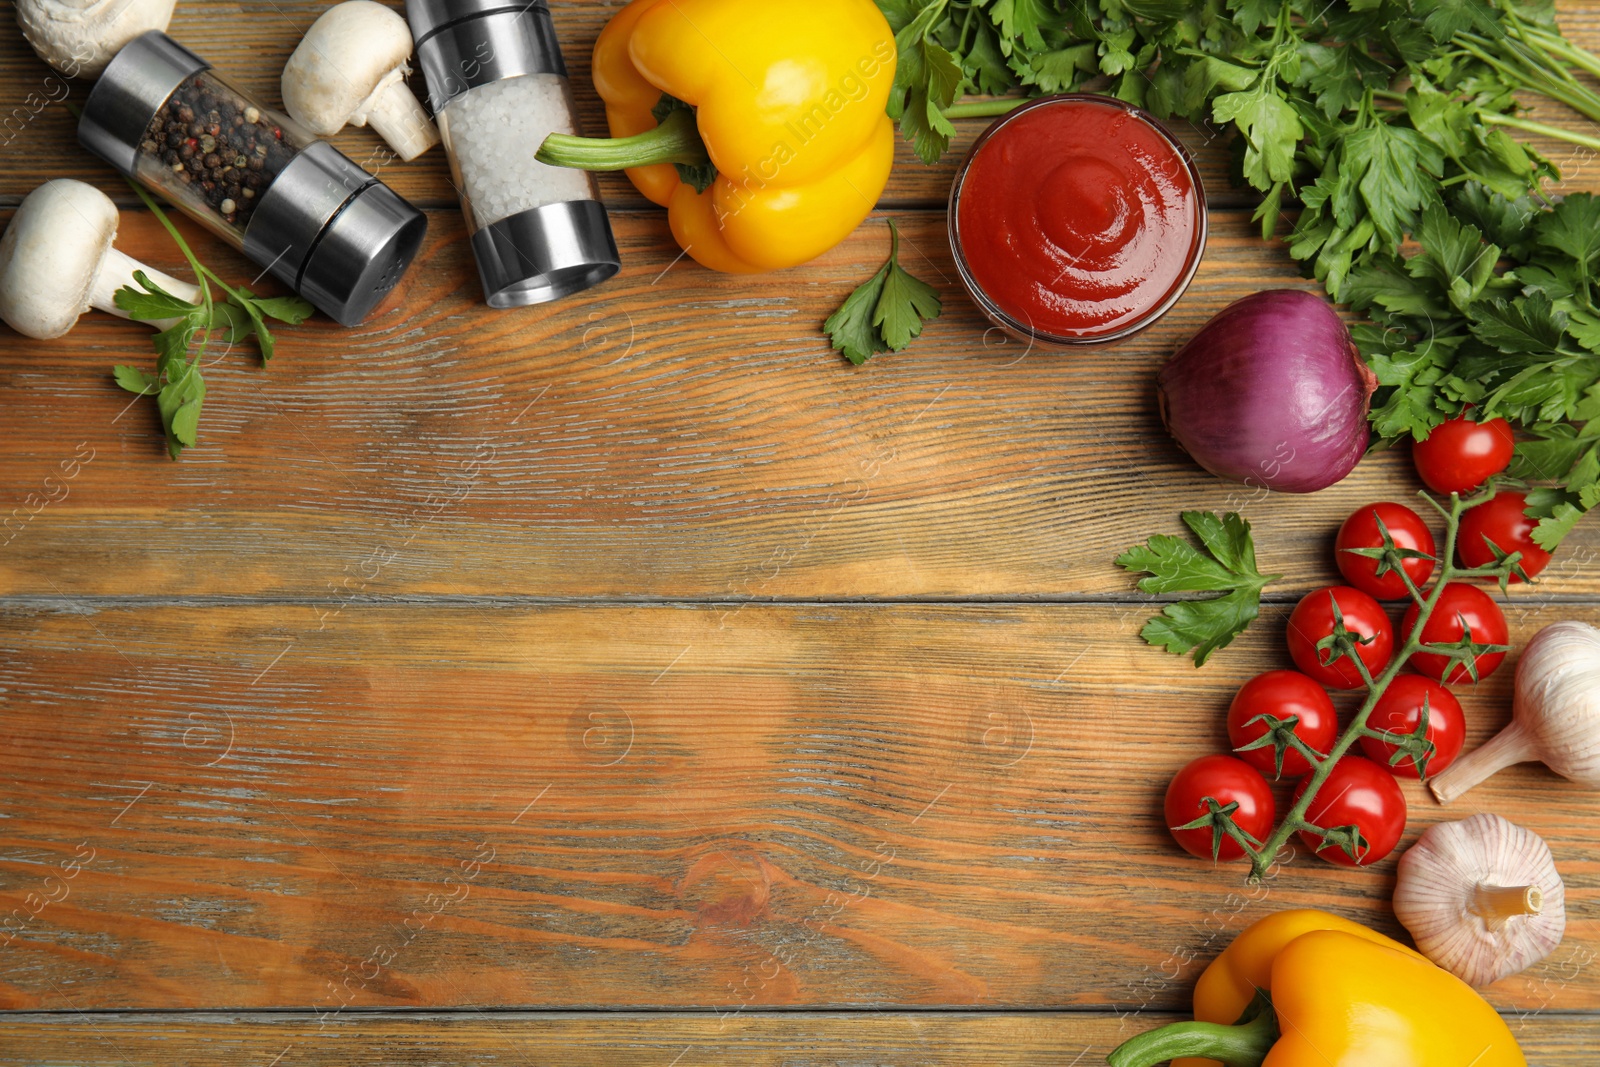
column 1482, row 898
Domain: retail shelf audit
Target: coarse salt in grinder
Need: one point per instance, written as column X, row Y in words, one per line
column 498, row 87
column 293, row 204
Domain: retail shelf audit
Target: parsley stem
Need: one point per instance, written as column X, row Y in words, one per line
column 177, row 239
column 1570, row 136
column 985, row 109
column 1533, row 77
column 1562, row 48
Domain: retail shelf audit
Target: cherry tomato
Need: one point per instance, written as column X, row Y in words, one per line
column 1461, row 455
column 1503, row 521
column 1227, row 780
column 1362, row 794
column 1461, row 606
column 1312, row 621
column 1399, row 711
column 1282, row 694
column 1407, row 530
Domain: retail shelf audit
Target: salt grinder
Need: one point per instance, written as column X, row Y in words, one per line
column 293, row 204
column 498, row 87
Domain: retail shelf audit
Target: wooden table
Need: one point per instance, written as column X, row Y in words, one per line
column 631, row 681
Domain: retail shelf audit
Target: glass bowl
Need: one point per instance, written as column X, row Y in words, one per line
column 1026, row 330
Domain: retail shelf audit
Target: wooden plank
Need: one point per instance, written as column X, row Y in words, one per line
column 671, row 434
column 821, row 806
column 251, row 44
column 625, row 1040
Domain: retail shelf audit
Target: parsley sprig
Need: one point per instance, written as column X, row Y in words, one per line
column 1223, row 562
column 885, row 313
column 177, row 383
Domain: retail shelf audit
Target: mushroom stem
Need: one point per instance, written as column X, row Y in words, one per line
column 1512, row 745
column 1495, row 904
column 117, row 270
column 398, row 118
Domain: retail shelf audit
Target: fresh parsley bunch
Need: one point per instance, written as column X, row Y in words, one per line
column 177, row 384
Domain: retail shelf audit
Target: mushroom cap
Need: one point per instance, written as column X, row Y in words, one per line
column 1438, row 881
column 51, row 254
column 351, row 53
column 79, row 37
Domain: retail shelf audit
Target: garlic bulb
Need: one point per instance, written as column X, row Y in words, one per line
column 1482, row 898
column 1555, row 717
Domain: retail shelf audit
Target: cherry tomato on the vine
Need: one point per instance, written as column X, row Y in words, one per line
column 1282, row 694
column 1227, row 781
column 1504, row 522
column 1361, row 531
column 1460, row 455
column 1362, row 794
column 1461, row 608
column 1399, row 712
column 1313, row 621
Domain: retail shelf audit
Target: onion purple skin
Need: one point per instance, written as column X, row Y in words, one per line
column 1271, row 393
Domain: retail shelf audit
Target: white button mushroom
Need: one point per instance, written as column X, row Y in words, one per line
column 79, row 37
column 56, row 261
column 350, row 69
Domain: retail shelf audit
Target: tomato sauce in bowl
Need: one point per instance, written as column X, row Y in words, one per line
column 1077, row 220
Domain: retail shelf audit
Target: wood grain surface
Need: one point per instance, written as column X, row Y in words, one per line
column 636, row 653
column 632, row 1040
column 827, row 805
column 675, row 436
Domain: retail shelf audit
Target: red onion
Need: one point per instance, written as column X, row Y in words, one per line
column 1271, row 393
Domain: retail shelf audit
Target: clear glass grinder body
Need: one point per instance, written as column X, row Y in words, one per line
column 213, row 152
column 498, row 87
column 294, row 205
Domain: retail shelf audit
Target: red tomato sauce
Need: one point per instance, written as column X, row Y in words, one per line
column 1079, row 219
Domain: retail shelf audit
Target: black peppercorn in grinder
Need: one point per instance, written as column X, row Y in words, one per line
column 294, row 205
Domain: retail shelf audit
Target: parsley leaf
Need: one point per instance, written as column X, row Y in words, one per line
column 1225, row 562
column 885, row 313
column 1271, row 129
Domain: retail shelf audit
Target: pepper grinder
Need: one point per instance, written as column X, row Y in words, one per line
column 498, row 87
column 294, row 205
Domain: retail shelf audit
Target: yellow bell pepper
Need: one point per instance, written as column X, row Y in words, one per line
column 788, row 100
column 1328, row 993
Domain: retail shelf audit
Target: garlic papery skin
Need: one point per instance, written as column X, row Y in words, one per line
column 1555, row 716
column 1481, row 898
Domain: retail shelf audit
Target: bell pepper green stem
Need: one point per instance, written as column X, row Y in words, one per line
column 676, row 140
column 1245, row 1045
